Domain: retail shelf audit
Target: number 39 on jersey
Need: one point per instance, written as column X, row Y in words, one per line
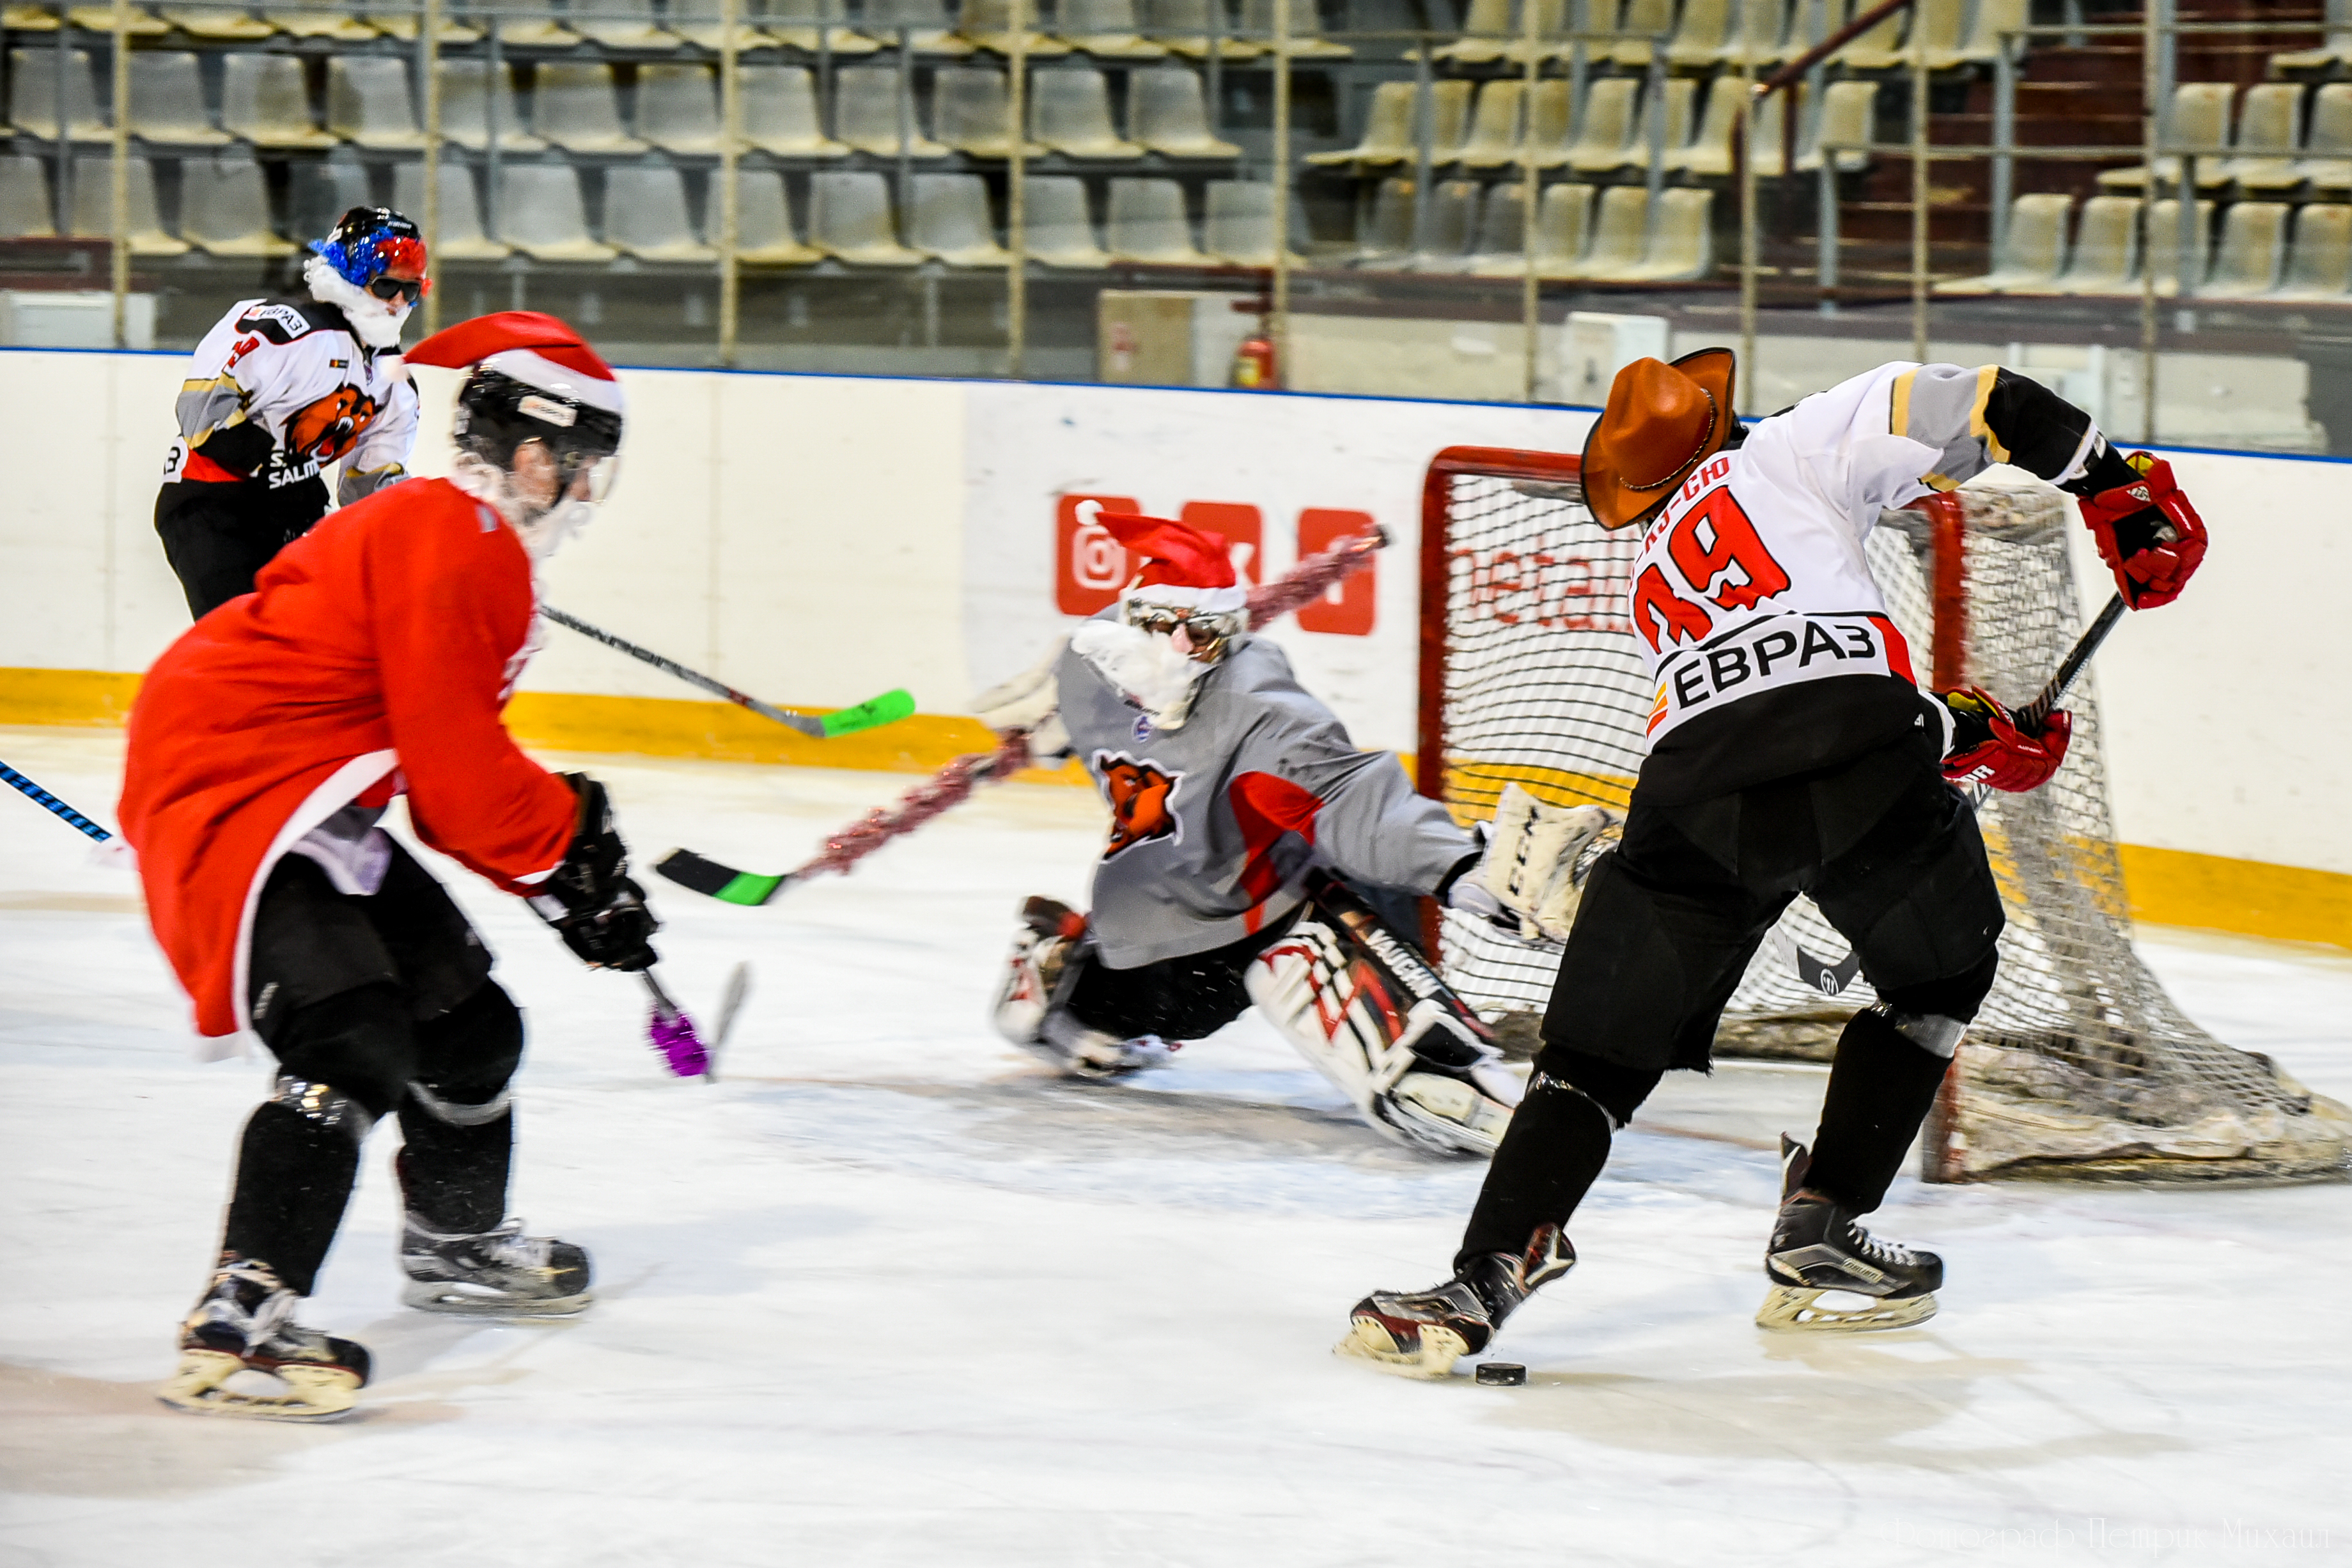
column 1727, row 604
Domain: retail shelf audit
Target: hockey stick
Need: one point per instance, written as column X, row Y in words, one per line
column 953, row 784
column 2035, row 713
column 889, row 708
column 43, row 797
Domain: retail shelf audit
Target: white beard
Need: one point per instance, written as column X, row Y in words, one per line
column 376, row 322
column 1145, row 667
column 543, row 533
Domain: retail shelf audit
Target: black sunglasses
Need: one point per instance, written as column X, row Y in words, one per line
column 389, row 287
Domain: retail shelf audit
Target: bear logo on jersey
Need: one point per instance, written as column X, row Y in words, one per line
column 331, row 426
column 1141, row 795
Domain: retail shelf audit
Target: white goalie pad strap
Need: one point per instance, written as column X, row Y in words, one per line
column 1348, row 1029
column 1539, row 856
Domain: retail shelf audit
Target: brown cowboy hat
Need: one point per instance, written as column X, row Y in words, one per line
column 1661, row 420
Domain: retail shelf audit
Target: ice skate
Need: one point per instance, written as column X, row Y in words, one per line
column 1422, row 1333
column 1818, row 1249
column 244, row 1323
column 498, row 1273
column 1084, row 1053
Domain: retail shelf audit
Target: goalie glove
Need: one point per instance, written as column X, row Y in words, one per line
column 1536, row 862
column 1986, row 746
column 1030, row 702
column 590, row 899
column 2148, row 533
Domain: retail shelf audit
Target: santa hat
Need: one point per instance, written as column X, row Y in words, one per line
column 532, row 348
column 1184, row 568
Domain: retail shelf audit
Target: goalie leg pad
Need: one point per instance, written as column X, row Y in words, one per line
column 1411, row 1068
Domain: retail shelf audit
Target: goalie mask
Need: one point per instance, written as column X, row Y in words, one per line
column 1176, row 620
column 532, row 382
column 373, row 269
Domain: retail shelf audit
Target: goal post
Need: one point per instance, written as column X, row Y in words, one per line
column 2079, row 1064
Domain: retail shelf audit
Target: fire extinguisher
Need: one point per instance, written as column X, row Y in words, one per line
column 1254, row 367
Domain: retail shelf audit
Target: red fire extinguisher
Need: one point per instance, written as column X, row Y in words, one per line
column 1254, row 366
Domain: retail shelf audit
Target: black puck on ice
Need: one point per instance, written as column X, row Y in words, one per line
column 1502, row 1373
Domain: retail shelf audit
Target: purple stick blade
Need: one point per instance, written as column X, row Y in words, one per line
column 680, row 1047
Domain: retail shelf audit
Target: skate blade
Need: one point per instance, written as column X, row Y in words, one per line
column 1790, row 1309
column 442, row 1296
column 312, row 1393
column 1368, row 1341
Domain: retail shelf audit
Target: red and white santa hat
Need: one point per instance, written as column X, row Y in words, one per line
column 1184, row 568
column 533, row 347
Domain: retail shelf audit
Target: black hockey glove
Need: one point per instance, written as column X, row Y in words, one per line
column 590, row 900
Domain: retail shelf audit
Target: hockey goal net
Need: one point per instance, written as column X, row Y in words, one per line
column 2079, row 1064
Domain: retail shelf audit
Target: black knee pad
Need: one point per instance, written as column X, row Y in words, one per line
column 466, row 1055
column 1955, row 997
column 359, row 1042
column 1614, row 1087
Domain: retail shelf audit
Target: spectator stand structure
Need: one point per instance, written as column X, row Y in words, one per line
column 845, row 183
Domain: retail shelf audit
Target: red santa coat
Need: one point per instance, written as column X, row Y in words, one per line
column 375, row 655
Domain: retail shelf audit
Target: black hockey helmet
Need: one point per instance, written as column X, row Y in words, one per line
column 532, row 379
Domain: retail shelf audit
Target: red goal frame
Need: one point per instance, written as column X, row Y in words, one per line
column 1436, row 490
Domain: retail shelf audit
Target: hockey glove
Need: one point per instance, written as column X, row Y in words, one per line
column 1536, row 862
column 590, row 899
column 2149, row 534
column 1988, row 749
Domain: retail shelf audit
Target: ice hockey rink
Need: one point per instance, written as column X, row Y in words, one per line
column 888, row 1293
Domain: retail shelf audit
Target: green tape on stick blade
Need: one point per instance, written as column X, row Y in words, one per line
column 707, row 877
column 887, row 708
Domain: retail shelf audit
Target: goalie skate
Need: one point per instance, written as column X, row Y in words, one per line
column 1422, row 1333
column 497, row 1273
column 1818, row 1249
column 244, row 1323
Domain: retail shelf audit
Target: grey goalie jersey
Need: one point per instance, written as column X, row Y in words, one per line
column 1212, row 823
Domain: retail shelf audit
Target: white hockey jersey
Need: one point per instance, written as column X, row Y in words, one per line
column 278, row 391
column 1753, row 579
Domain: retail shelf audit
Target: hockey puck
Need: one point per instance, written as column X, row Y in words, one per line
column 1502, row 1373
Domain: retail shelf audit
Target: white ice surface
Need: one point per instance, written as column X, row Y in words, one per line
column 889, row 1293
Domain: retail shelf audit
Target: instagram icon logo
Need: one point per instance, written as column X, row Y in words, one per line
column 1089, row 566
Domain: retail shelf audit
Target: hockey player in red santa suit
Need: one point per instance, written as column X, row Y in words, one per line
column 1790, row 752
column 1230, row 787
column 374, row 659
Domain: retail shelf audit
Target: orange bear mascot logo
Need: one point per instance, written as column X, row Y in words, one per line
column 1139, row 793
column 331, row 426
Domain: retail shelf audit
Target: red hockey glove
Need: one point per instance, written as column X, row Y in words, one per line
column 1988, row 749
column 2149, row 534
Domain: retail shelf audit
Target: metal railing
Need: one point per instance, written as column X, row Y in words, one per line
column 1572, row 54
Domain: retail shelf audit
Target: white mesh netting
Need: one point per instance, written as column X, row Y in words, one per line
column 2079, row 1064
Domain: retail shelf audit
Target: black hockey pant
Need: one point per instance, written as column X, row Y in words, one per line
column 219, row 537
column 1667, row 925
column 1196, row 995
column 371, row 1004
